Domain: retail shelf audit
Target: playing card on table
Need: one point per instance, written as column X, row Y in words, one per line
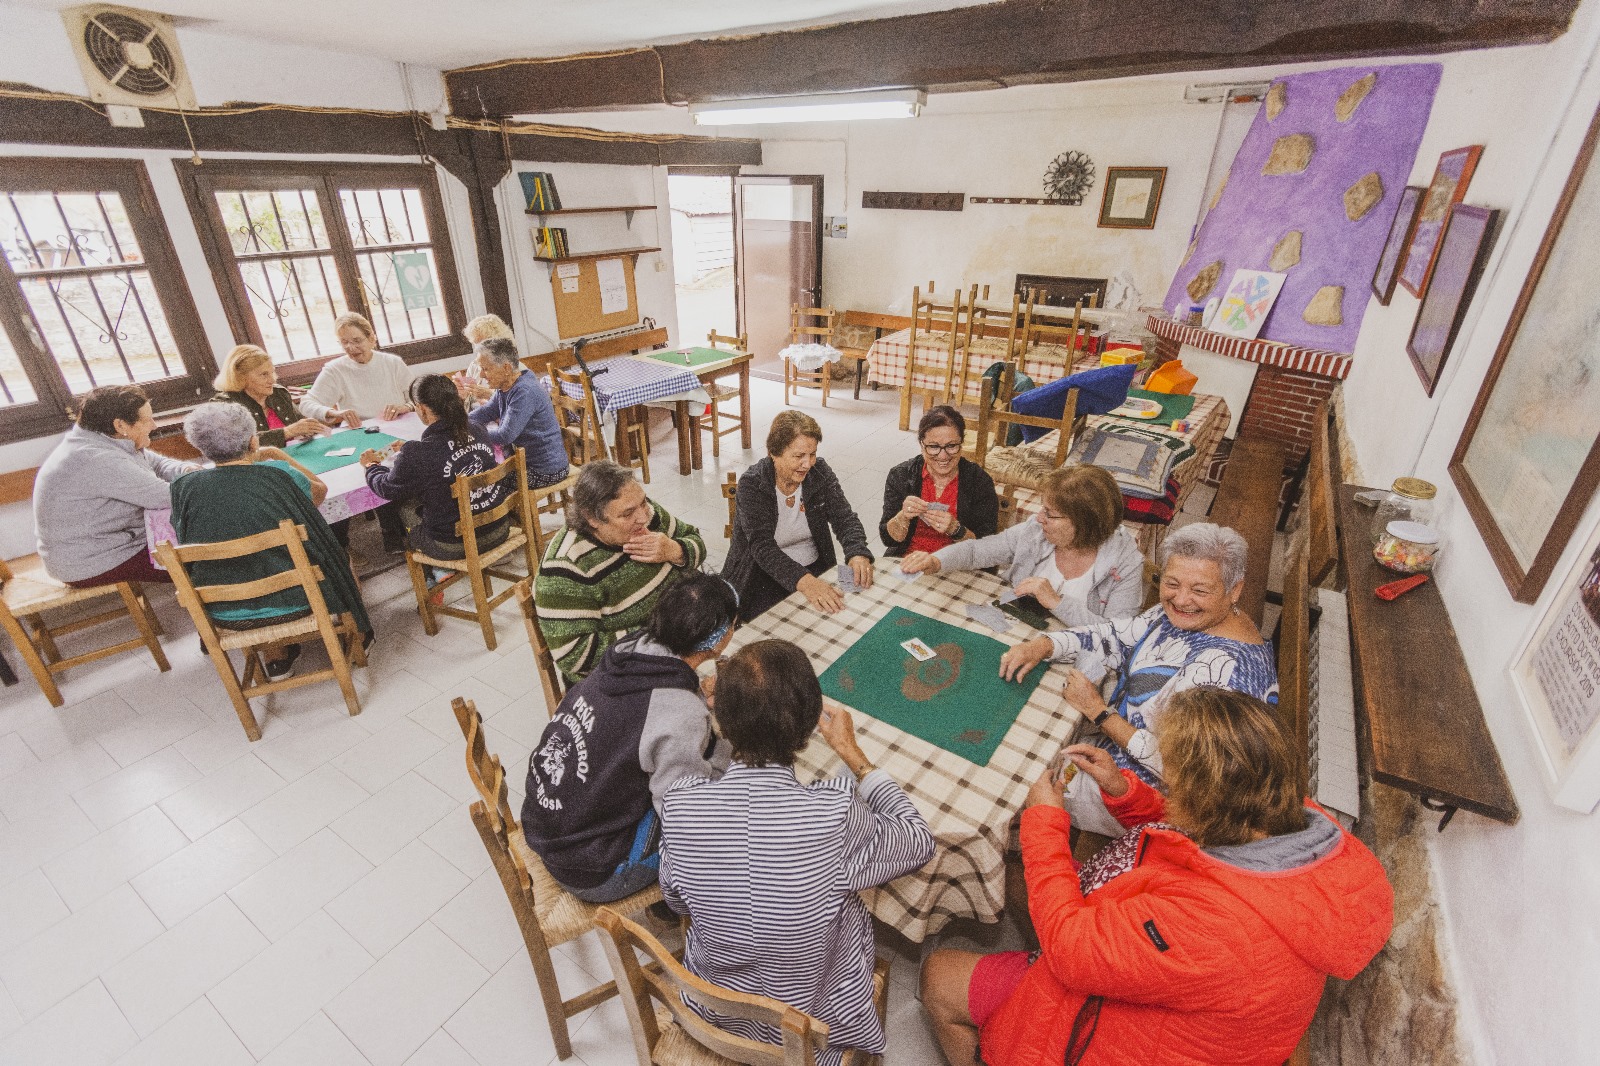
column 340, row 453
column 847, row 580
column 919, row 649
column 993, row 617
column 907, row 578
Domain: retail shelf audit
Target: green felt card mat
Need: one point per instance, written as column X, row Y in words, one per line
column 313, row 454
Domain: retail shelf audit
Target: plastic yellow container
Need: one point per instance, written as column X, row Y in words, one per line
column 1121, row 356
column 1171, row 377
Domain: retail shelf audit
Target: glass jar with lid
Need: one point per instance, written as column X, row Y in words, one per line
column 1407, row 547
column 1410, row 499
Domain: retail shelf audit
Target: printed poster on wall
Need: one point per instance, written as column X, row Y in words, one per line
column 1557, row 674
column 414, row 273
column 613, row 286
column 1247, row 303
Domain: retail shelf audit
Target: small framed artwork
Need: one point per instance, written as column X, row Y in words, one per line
column 1247, row 303
column 1449, row 186
column 1132, row 196
column 1463, row 249
column 1394, row 249
column 1556, row 675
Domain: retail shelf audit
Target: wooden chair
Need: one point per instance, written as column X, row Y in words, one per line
column 931, row 322
column 481, row 565
column 730, row 493
column 995, row 416
column 576, row 414
column 808, row 325
column 546, row 913
column 1041, row 338
column 551, row 500
column 714, row 416
column 550, row 678
column 984, row 321
column 27, row 592
column 344, row 643
column 668, row 1033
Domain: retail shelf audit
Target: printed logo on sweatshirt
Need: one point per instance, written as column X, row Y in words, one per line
column 561, row 748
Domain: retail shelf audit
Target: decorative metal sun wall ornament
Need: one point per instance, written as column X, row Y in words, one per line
column 1069, row 177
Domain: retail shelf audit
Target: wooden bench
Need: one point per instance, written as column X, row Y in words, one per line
column 1247, row 501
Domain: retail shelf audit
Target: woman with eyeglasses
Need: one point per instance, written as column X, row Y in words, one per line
column 1075, row 558
column 937, row 498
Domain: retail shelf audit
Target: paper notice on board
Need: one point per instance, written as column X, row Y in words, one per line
column 1567, row 666
column 567, row 270
column 569, row 284
column 613, row 286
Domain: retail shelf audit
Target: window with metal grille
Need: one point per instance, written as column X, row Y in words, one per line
column 295, row 245
column 91, row 293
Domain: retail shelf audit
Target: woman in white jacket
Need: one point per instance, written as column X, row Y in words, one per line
column 1074, row 557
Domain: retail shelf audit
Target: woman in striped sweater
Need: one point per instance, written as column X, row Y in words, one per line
column 769, row 868
column 603, row 571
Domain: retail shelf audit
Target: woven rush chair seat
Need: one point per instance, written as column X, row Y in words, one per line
column 563, row 916
column 512, row 542
column 30, row 589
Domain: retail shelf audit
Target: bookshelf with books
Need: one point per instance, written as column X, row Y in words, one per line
column 550, row 242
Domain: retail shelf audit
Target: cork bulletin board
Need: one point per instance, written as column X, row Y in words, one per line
column 575, row 287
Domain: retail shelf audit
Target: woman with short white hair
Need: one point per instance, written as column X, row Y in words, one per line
column 1194, row 637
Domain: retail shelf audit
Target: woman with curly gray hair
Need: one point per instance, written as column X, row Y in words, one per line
column 249, row 490
column 1195, row 637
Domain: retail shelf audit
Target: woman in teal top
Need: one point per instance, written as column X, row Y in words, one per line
column 250, row 490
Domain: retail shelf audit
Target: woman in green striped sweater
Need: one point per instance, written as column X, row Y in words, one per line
column 602, row 572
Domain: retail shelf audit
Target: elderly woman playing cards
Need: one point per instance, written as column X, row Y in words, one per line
column 1195, row 637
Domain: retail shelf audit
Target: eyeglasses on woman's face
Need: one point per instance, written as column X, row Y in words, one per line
column 941, row 449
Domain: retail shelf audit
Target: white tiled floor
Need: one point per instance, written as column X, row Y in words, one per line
column 171, row 893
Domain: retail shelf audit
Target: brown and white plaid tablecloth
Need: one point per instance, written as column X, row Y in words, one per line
column 887, row 358
column 968, row 807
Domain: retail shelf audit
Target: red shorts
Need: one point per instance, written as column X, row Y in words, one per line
column 138, row 567
column 993, row 980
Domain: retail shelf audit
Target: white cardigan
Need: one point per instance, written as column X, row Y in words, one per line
column 1117, row 588
column 367, row 389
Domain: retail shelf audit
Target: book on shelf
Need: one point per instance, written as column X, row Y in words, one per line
column 550, row 242
column 539, row 187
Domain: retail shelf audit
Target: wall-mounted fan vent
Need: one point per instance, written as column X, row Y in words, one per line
column 129, row 56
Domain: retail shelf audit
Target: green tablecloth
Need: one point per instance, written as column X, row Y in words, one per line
column 1173, row 406
column 697, row 356
column 955, row 701
column 313, row 454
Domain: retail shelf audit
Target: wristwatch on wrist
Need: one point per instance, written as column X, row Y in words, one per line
column 957, row 531
column 1102, row 716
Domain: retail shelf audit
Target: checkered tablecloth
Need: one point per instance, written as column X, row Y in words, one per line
column 1018, row 471
column 629, row 381
column 968, row 807
column 887, row 358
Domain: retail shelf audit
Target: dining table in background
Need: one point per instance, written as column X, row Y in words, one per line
column 709, row 365
column 968, row 807
column 887, row 358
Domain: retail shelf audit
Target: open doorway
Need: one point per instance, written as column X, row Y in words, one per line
column 701, row 205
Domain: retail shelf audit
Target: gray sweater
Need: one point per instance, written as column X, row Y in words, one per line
column 1115, row 592
column 89, row 502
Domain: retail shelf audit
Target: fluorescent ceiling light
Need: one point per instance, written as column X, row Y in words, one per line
column 836, row 107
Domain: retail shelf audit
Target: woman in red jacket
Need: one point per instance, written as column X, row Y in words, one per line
column 1202, row 935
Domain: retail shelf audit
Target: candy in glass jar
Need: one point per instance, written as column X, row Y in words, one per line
column 1407, row 547
column 1410, row 499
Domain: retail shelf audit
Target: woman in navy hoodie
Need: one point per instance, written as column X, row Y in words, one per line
column 425, row 469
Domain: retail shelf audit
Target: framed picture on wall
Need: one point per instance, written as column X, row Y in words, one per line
column 1557, row 677
column 1528, row 460
column 1449, row 186
column 1131, row 197
column 1458, row 262
column 1405, row 221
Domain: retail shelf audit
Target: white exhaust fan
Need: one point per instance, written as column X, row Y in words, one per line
column 129, row 56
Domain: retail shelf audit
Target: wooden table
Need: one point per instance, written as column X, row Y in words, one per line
column 887, row 358
column 968, row 807
column 687, row 423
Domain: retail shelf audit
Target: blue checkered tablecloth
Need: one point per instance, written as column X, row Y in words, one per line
column 627, row 382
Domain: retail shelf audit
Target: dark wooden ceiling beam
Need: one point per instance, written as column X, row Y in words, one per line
column 1014, row 42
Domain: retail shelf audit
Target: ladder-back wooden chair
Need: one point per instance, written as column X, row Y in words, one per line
column 808, row 325
column 1056, row 344
column 994, row 418
column 550, row 679
column 715, row 418
column 546, row 913
column 27, row 592
column 937, row 327
column 667, row 1033
column 345, row 645
column 984, row 325
column 730, row 494
column 481, row 564
column 573, row 399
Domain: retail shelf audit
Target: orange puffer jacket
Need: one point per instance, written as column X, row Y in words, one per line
column 1183, row 959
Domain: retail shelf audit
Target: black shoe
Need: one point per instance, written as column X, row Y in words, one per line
column 394, row 542
column 284, row 668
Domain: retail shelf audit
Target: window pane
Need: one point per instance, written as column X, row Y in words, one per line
column 384, row 216
column 403, row 290
column 14, row 384
column 295, row 302
column 287, row 220
column 63, row 231
column 103, row 328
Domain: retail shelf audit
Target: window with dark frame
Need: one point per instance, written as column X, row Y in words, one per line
column 295, row 245
column 91, row 293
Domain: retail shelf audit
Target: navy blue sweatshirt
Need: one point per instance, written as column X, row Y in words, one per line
column 425, row 469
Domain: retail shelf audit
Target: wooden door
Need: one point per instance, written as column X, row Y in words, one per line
column 778, row 228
